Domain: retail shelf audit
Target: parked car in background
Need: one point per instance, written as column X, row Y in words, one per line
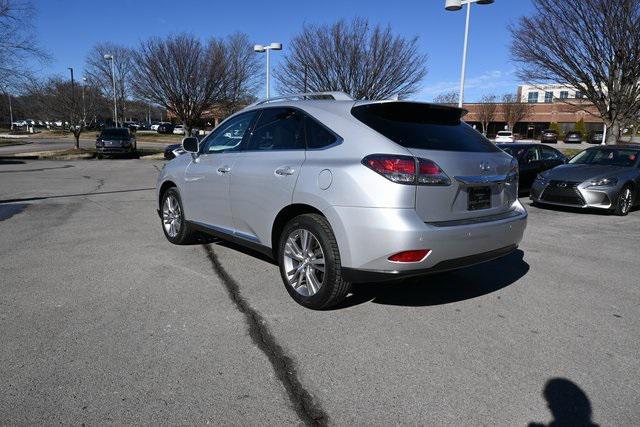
column 179, row 130
column 155, row 126
column 171, row 151
column 19, row 123
column 342, row 191
column 165, row 128
column 549, row 136
column 595, row 137
column 532, row 159
column 505, row 136
column 573, row 137
column 115, row 141
column 606, row 177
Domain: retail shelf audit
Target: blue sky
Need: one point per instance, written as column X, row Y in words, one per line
column 69, row 28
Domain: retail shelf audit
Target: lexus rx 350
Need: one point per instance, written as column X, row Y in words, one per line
column 341, row 191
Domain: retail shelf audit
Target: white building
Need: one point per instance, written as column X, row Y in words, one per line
column 546, row 93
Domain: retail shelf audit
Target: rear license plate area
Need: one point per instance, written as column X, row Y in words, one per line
column 479, row 198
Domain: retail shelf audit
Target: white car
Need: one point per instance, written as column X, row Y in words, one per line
column 505, row 136
column 179, row 130
column 19, row 123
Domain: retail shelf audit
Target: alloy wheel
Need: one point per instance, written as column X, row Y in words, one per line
column 171, row 216
column 304, row 262
column 625, row 200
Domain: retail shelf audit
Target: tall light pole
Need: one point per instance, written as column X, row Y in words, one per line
column 109, row 57
column 73, row 98
column 10, row 108
column 84, row 105
column 261, row 49
column 455, row 5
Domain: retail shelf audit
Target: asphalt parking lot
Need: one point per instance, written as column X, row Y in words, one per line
column 103, row 321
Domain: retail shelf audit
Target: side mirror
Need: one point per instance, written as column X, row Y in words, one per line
column 190, row 144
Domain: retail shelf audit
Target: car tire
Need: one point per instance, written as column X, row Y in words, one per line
column 99, row 156
column 175, row 228
column 313, row 274
column 624, row 201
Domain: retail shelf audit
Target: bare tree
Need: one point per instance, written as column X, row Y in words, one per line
column 487, row 111
column 514, row 110
column 57, row 98
column 592, row 45
column 447, row 98
column 98, row 73
column 354, row 57
column 18, row 43
column 180, row 74
column 243, row 73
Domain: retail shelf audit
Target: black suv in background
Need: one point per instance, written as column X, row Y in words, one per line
column 549, row 136
column 165, row 128
column 115, row 141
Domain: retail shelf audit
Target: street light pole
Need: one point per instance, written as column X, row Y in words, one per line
column 73, row 98
column 109, row 57
column 84, row 105
column 10, row 111
column 455, row 5
column 262, row 49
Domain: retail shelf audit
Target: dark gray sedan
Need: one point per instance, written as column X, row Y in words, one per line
column 605, row 177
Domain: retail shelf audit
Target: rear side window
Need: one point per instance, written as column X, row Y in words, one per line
column 278, row 129
column 317, row 135
column 423, row 126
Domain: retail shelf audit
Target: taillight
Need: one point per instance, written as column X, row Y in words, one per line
column 431, row 174
column 410, row 256
column 399, row 169
column 407, row 170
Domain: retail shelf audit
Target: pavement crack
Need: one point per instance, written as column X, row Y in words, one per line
column 283, row 365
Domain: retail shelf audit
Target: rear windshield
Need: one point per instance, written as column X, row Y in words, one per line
column 504, row 133
column 422, row 126
column 115, row 133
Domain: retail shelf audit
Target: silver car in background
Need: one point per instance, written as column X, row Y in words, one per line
column 341, row 191
column 600, row 177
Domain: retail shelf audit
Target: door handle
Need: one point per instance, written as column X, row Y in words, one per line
column 286, row 170
column 224, row 169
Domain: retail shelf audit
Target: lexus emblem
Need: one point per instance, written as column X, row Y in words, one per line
column 562, row 184
column 485, row 166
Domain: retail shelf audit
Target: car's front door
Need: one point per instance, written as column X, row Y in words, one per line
column 206, row 194
column 263, row 179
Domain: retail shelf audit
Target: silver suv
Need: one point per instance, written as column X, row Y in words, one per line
column 341, row 191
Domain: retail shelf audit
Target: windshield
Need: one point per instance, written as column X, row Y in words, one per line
column 606, row 157
column 422, row 126
column 115, row 133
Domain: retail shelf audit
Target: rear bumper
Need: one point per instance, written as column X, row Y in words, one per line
column 367, row 237
column 368, row 276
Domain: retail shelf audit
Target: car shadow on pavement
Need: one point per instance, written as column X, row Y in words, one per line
column 568, row 403
column 5, row 161
column 443, row 288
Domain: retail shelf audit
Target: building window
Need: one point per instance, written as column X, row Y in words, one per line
column 533, row 97
column 564, row 94
column 548, row 97
column 579, row 95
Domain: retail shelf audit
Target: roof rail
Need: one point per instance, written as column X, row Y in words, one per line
column 337, row 96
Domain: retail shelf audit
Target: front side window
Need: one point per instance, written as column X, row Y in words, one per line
column 550, row 154
column 229, row 134
column 532, row 154
column 277, row 129
column 533, row 97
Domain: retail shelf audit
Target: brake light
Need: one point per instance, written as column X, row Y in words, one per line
column 400, row 169
column 410, row 256
column 407, row 170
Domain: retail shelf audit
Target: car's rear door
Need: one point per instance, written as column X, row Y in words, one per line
column 264, row 177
